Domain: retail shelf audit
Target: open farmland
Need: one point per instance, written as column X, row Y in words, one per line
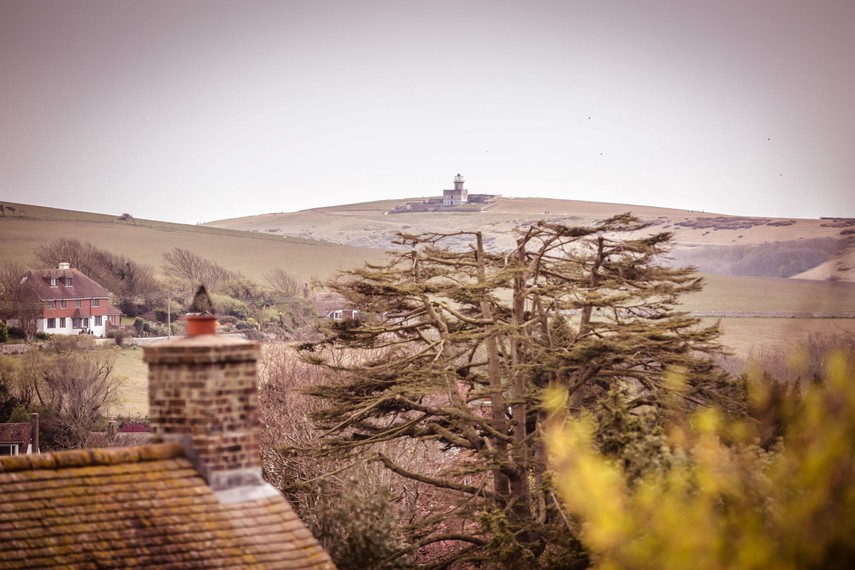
column 133, row 395
column 252, row 254
column 747, row 336
column 716, row 243
column 295, row 242
column 736, row 293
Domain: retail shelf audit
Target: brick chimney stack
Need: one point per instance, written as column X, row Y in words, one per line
column 203, row 395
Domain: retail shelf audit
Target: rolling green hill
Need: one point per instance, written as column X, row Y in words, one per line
column 772, row 247
column 264, row 245
column 145, row 241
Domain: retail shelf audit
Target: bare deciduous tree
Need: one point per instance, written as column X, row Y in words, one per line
column 282, row 283
column 126, row 279
column 185, row 264
column 74, row 384
column 19, row 298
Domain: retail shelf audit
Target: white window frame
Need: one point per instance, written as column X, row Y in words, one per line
column 14, row 449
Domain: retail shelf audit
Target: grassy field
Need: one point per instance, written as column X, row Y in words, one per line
column 252, row 254
column 264, row 246
column 133, row 395
column 740, row 293
column 370, row 225
column 747, row 336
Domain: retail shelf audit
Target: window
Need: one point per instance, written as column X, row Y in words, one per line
column 53, row 281
column 97, row 321
column 62, row 303
column 51, row 323
column 96, row 302
column 68, row 281
column 51, row 304
column 77, row 303
column 62, row 322
column 9, row 449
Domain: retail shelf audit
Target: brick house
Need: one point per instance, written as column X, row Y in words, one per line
column 192, row 499
column 73, row 303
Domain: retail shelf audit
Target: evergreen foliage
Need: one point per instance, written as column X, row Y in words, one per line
column 459, row 347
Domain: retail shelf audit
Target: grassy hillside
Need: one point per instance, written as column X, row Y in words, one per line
column 746, row 336
column 252, row 254
column 714, row 242
column 740, row 293
column 264, row 246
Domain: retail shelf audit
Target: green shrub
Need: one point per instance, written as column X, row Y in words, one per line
column 724, row 501
column 20, row 414
column 119, row 336
column 226, row 305
column 358, row 531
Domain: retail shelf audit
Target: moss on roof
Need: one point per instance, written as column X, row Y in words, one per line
column 139, row 507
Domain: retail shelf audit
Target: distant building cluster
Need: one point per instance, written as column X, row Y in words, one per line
column 453, row 199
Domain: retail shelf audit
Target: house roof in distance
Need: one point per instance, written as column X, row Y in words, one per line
column 140, row 507
column 19, row 433
column 82, row 287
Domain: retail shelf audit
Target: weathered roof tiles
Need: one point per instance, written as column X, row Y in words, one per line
column 140, row 507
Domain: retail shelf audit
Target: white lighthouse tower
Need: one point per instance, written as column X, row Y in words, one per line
column 459, row 195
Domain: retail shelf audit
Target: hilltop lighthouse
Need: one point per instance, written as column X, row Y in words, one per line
column 458, row 195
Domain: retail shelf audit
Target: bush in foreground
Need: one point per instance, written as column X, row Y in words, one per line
column 724, row 501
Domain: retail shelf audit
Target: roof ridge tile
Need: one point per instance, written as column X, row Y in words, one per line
column 91, row 457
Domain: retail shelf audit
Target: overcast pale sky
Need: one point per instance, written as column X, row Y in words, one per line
column 195, row 110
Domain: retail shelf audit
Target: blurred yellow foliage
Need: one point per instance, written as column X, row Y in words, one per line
column 727, row 502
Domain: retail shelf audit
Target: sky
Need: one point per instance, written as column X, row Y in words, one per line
column 197, row 110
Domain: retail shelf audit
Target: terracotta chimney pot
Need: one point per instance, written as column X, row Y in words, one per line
column 201, row 324
column 201, row 319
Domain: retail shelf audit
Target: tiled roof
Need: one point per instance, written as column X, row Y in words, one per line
column 82, row 287
column 140, row 507
column 325, row 302
column 120, row 439
column 19, row 433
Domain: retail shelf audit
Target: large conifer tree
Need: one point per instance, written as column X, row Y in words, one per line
column 457, row 344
